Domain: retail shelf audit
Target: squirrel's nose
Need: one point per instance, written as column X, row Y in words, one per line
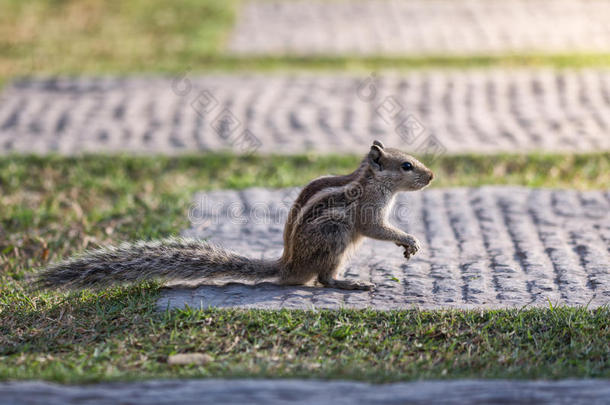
column 431, row 176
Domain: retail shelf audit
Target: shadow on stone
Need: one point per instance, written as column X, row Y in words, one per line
column 260, row 295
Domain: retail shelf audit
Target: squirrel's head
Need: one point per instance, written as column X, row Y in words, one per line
column 396, row 169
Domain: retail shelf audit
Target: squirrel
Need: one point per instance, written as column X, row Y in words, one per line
column 328, row 220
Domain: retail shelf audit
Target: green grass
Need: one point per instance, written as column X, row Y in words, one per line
column 117, row 335
column 43, row 37
column 366, row 64
column 69, row 37
column 53, row 207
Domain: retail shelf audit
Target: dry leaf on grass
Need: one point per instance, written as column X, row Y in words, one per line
column 189, row 358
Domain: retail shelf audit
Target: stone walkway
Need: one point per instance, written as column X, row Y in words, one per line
column 439, row 111
column 481, row 248
column 421, row 27
column 272, row 392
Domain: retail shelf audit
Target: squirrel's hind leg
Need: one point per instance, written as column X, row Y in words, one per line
column 328, row 276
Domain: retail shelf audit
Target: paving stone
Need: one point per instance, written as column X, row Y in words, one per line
column 438, row 111
column 270, row 392
column 421, row 27
column 488, row 247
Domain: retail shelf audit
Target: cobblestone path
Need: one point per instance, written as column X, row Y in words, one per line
column 481, row 248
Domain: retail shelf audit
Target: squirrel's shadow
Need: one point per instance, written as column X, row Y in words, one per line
column 264, row 295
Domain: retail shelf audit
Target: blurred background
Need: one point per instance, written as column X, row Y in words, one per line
column 266, row 76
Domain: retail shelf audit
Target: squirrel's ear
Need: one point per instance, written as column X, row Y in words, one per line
column 375, row 155
column 378, row 143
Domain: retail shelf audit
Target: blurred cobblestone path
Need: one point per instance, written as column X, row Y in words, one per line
column 291, row 391
column 456, row 110
column 421, row 27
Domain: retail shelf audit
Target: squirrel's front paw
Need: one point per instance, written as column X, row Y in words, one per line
column 411, row 247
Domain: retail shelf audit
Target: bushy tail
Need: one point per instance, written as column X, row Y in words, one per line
column 167, row 259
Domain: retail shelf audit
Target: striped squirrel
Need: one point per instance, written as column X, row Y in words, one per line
column 328, row 219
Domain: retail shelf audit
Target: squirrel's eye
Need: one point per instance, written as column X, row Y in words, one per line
column 406, row 166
